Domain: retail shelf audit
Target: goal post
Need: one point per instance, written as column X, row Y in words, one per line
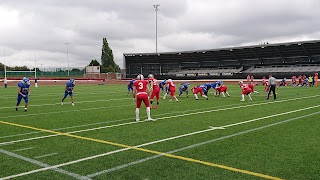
column 28, row 74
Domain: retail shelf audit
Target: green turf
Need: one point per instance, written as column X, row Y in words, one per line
column 106, row 115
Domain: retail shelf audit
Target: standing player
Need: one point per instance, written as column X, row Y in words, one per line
column 245, row 91
column 130, row 85
column 184, row 88
column 222, row 89
column 293, row 80
column 198, row 89
column 69, row 91
column 155, row 90
column 141, row 93
column 23, row 92
column 171, row 90
column 264, row 80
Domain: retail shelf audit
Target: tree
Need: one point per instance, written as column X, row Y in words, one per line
column 107, row 58
column 94, row 62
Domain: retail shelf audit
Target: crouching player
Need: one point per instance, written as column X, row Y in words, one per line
column 222, row 89
column 251, row 86
column 141, row 93
column 171, row 90
column 184, row 88
column 23, row 92
column 198, row 89
column 69, row 91
column 245, row 91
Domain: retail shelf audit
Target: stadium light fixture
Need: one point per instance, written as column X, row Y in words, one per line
column 155, row 6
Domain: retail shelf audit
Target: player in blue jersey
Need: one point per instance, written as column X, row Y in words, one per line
column 69, row 91
column 23, row 92
column 130, row 86
column 163, row 87
column 214, row 85
column 205, row 89
column 184, row 88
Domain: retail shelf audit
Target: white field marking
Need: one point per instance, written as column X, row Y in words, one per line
column 211, row 127
column 35, row 132
column 58, row 112
column 197, row 145
column 78, row 102
column 119, row 120
column 134, row 122
column 45, row 155
column 23, row 149
column 162, row 140
column 77, row 176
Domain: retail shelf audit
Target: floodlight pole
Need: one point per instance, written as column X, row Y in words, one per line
column 5, row 68
column 156, row 9
column 68, row 57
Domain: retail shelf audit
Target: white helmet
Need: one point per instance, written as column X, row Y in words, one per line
column 169, row 80
column 240, row 82
column 140, row 77
column 150, row 76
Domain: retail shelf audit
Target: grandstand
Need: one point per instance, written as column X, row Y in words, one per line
column 282, row 59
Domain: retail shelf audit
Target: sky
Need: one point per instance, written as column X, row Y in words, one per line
column 35, row 32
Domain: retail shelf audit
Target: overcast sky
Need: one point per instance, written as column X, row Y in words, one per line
column 38, row 29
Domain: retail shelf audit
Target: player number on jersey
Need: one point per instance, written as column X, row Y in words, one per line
column 140, row 85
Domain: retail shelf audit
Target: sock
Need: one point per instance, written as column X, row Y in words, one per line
column 137, row 113
column 148, row 113
column 242, row 95
column 249, row 96
column 195, row 95
column 223, row 94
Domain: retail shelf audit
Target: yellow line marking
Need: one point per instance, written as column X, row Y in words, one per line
column 147, row 150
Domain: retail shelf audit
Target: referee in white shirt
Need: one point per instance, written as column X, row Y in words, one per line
column 272, row 83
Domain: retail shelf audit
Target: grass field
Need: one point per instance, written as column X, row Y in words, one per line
column 219, row 138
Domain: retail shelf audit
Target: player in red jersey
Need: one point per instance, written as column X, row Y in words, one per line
column 251, row 86
column 293, row 80
column 264, row 80
column 141, row 93
column 171, row 89
column 222, row 89
column 248, row 78
column 155, row 90
column 245, row 91
column 266, row 87
column 196, row 90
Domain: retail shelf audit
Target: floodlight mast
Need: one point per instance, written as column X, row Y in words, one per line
column 156, row 10
column 68, row 57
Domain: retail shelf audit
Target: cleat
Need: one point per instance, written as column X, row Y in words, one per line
column 137, row 120
column 25, row 110
column 72, row 104
column 242, row 100
column 150, row 107
column 61, row 103
column 196, row 99
column 150, row 119
column 16, row 109
column 207, row 98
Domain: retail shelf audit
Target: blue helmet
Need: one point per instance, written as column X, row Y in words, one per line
column 25, row 80
column 72, row 80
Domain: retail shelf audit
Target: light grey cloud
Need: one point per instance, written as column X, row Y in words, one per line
column 39, row 29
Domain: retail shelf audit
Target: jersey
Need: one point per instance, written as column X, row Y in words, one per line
column 24, row 87
column 184, row 87
column 141, row 89
column 69, row 87
column 222, row 88
column 141, row 86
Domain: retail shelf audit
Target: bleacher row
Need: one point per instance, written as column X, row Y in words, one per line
column 253, row 70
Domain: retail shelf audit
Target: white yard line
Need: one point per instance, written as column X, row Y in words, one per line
column 77, row 176
column 77, row 102
column 167, row 139
column 23, row 149
column 196, row 145
column 168, row 117
column 45, row 155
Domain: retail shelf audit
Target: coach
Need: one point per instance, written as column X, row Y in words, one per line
column 272, row 83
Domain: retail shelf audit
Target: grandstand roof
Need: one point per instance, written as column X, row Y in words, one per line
column 261, row 51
